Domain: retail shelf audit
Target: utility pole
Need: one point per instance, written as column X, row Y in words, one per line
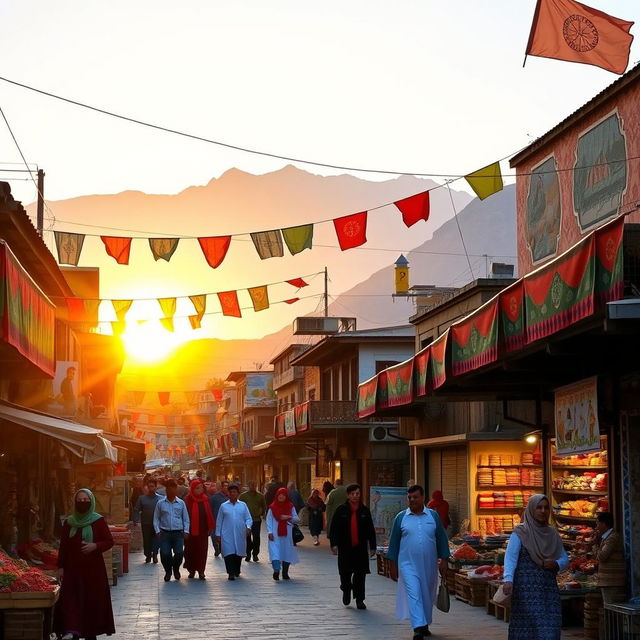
column 326, row 293
column 40, row 207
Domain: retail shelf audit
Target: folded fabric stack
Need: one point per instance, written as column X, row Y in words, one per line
column 513, row 477
column 499, row 499
column 537, row 479
column 485, row 477
column 499, row 477
column 509, row 499
column 526, row 457
column 483, row 460
column 526, row 495
column 486, row 501
column 494, row 460
column 518, row 499
column 525, row 477
column 506, row 459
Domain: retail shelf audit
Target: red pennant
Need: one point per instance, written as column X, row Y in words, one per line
column 118, row 248
column 414, row 208
column 217, row 394
column 298, row 283
column 215, row 249
column 351, row 230
column 163, row 397
column 75, row 309
column 229, row 304
column 291, row 300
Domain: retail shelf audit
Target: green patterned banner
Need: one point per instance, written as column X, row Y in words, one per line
column 421, row 363
column 438, row 357
column 474, row 340
column 609, row 279
column 367, row 392
column 400, row 384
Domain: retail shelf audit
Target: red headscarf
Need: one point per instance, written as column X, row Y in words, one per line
column 281, row 509
column 439, row 504
column 193, row 502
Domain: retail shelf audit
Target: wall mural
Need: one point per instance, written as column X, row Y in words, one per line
column 544, row 211
column 599, row 186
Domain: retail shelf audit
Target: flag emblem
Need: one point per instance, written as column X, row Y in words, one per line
column 580, row 33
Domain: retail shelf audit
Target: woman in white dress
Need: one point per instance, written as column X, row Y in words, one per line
column 281, row 517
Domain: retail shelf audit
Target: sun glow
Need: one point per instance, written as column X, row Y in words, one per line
column 150, row 342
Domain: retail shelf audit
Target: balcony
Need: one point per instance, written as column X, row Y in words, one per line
column 287, row 377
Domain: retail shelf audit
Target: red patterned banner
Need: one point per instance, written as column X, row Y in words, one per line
column 302, row 417
column 438, row 355
column 400, row 384
column 422, row 360
column 279, row 426
column 474, row 340
column 609, row 278
column 367, row 392
column 512, row 315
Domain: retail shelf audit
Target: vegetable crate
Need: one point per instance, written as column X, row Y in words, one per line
column 24, row 624
column 383, row 565
column 473, row 592
column 500, row 611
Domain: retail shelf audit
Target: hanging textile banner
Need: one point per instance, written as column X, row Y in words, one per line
column 609, row 277
column 168, row 324
column 351, row 230
column 229, row 304
column 512, row 316
column 474, row 340
column 117, row 328
column 298, row 283
column 278, row 426
column 268, row 244
column 118, row 248
column 438, row 364
column 168, row 306
column 561, row 292
column 195, row 322
column 302, row 417
column 576, row 417
column 400, row 384
column 27, row 318
column 200, row 305
column 163, row 397
column 382, row 393
column 414, row 208
column 486, row 181
column 421, row 371
column 163, row 248
column 367, row 393
column 259, row 298
column 298, row 238
column 121, row 307
column 289, row 423
column 69, row 247
column 82, row 310
column 138, row 398
column 215, row 249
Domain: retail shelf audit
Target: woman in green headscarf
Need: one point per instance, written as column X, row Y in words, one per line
column 84, row 608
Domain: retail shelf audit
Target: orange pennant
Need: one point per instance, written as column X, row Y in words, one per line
column 229, row 304
column 118, row 248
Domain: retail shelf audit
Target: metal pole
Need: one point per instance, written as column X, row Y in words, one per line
column 326, row 293
column 40, row 206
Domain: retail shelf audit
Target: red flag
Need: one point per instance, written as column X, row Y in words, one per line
column 351, row 230
column 291, row 300
column 229, row 304
column 298, row 283
column 75, row 309
column 215, row 249
column 414, row 208
column 572, row 31
column 118, row 248
column 163, row 397
column 217, row 394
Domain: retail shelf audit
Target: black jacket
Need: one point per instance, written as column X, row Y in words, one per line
column 352, row 558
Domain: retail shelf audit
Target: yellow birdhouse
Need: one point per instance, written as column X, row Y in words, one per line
column 402, row 275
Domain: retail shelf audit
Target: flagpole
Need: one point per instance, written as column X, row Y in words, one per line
column 326, row 292
column 534, row 22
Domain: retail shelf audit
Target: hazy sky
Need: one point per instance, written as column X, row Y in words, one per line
column 419, row 86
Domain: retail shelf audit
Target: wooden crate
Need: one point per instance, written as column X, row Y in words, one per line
column 463, row 588
column 29, row 599
column 478, row 592
column 23, row 624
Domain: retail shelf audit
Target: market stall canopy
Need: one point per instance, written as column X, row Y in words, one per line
column 155, row 464
column 82, row 440
column 209, row 459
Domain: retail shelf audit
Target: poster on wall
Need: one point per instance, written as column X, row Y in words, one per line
column 65, row 389
column 259, row 391
column 385, row 504
column 576, row 417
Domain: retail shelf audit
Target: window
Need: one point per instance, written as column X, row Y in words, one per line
column 311, row 394
column 381, row 365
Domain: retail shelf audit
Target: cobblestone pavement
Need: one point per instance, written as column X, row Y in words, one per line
column 255, row 606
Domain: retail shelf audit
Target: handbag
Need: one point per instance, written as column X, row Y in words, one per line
column 443, row 601
column 500, row 597
column 297, row 534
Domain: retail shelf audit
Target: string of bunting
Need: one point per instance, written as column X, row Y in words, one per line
column 351, row 230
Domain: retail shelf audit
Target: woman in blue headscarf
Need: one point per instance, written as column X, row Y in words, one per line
column 84, row 608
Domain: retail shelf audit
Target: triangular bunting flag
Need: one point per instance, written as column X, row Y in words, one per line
column 69, row 247
column 138, row 398
column 163, row 397
column 118, row 328
column 414, row 208
column 168, row 306
column 163, row 248
column 298, row 283
column 192, row 397
column 215, row 249
column 121, row 307
column 260, row 298
column 486, row 181
column 82, row 310
column 229, row 304
column 268, row 244
column 291, row 300
column 298, row 238
column 199, row 304
column 351, row 230
column 167, row 323
column 118, row 248
column 195, row 322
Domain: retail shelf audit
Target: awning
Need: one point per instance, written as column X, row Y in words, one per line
column 209, row 459
column 263, row 446
column 156, row 463
column 82, row 440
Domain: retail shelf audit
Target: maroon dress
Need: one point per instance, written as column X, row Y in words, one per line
column 196, row 546
column 84, row 607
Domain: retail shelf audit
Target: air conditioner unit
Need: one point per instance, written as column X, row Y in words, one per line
column 383, row 434
column 308, row 326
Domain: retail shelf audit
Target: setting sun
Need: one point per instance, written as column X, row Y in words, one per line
column 150, row 342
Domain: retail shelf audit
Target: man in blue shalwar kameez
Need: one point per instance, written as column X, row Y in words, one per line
column 417, row 545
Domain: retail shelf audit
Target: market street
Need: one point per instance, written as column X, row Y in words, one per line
column 255, row 606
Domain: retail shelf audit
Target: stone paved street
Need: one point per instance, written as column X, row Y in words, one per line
column 255, row 606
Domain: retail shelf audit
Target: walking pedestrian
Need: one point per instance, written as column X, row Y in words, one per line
column 418, row 544
column 257, row 507
column 201, row 527
column 335, row 498
column 215, row 501
column 281, row 517
column 327, row 488
column 353, row 540
column 233, row 525
column 294, row 495
column 439, row 504
column 271, row 488
column 534, row 556
column 316, row 507
column 84, row 608
column 183, row 490
column 143, row 514
column 171, row 524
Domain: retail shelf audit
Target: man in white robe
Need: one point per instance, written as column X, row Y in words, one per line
column 232, row 528
column 417, row 545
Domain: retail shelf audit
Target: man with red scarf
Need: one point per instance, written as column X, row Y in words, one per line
column 353, row 539
column 202, row 526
